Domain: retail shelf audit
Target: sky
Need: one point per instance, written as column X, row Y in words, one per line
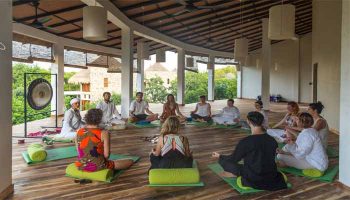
column 170, row 64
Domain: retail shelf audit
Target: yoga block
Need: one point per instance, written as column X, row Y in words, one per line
column 174, row 176
column 101, row 175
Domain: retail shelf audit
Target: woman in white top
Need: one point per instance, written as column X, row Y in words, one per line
column 278, row 131
column 229, row 115
column 259, row 108
column 307, row 151
column 72, row 121
column 202, row 113
column 320, row 124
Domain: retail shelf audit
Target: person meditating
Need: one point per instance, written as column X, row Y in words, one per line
column 93, row 146
column 258, row 151
column 259, row 108
column 172, row 150
column 171, row 108
column 320, row 124
column 229, row 115
column 111, row 115
column 202, row 113
column 307, row 152
column 139, row 108
column 72, row 121
column 288, row 121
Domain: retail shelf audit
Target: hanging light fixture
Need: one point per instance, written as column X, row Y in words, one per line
column 143, row 48
column 94, row 23
column 160, row 56
column 282, row 22
column 241, row 45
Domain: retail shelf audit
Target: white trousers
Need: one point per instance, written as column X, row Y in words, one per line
column 291, row 161
column 277, row 134
column 224, row 120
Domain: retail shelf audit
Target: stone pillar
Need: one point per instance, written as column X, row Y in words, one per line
column 211, row 78
column 6, row 186
column 180, row 76
column 140, row 86
column 344, row 140
column 239, row 82
column 127, row 70
column 58, row 68
column 266, row 63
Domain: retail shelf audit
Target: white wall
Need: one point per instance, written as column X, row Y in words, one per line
column 292, row 74
column 344, row 175
column 326, row 39
column 305, row 69
column 6, row 95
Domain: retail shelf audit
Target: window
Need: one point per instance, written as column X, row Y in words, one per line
column 105, row 82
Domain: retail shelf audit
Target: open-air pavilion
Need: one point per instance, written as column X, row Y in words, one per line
column 309, row 65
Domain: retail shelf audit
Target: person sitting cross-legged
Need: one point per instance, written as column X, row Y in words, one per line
column 229, row 115
column 257, row 151
column 139, row 108
column 171, row 108
column 93, row 146
column 202, row 113
column 111, row 115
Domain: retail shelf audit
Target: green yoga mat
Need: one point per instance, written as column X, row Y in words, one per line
column 199, row 184
column 236, row 126
column 331, row 151
column 217, row 169
column 116, row 173
column 199, row 124
column 328, row 176
column 53, row 154
column 153, row 124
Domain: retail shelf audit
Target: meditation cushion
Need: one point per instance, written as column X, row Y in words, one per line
column 36, row 152
column 314, row 173
column 240, row 185
column 101, row 175
column 174, row 176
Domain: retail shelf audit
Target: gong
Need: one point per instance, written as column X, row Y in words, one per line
column 39, row 94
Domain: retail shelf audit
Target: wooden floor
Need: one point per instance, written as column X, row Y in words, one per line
column 47, row 180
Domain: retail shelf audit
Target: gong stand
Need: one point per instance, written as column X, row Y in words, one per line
column 26, row 115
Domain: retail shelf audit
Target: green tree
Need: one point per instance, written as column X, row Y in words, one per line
column 155, row 90
column 70, row 86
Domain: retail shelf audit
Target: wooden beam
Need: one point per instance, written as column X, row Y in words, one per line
column 51, row 13
column 21, row 2
column 138, row 5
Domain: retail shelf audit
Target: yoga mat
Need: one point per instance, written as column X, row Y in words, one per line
column 236, row 126
column 199, row 124
column 331, row 151
column 199, row 184
column 116, row 173
column 217, row 169
column 150, row 125
column 328, row 176
column 53, row 154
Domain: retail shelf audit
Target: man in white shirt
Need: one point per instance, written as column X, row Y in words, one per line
column 111, row 115
column 139, row 108
column 229, row 115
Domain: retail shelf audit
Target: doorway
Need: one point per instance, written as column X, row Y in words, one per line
column 314, row 82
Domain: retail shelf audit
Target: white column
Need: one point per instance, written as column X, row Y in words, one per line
column 211, row 78
column 141, row 73
column 58, row 68
column 265, row 67
column 239, row 82
column 344, row 140
column 180, row 76
column 6, row 186
column 127, row 70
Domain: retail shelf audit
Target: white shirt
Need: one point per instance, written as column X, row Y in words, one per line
column 109, row 111
column 309, row 146
column 202, row 110
column 138, row 107
column 72, row 121
column 230, row 112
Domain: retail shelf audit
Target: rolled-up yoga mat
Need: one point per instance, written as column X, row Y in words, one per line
column 36, row 152
column 101, row 175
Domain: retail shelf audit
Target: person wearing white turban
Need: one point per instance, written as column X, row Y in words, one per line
column 72, row 120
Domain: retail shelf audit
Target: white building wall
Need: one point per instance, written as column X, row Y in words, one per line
column 305, row 58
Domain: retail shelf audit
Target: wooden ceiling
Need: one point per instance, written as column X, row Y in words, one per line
column 215, row 28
